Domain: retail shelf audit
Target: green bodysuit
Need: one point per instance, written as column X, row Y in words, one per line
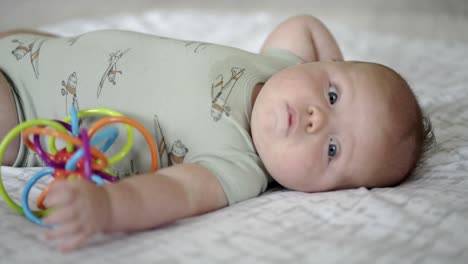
column 193, row 97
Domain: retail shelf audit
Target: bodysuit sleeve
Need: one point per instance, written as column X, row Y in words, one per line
column 241, row 175
column 19, row 62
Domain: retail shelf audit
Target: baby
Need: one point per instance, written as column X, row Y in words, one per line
column 227, row 122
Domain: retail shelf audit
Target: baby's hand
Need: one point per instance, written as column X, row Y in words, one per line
column 80, row 210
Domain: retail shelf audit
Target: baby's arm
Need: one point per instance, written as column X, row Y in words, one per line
column 8, row 113
column 305, row 36
column 26, row 31
column 83, row 209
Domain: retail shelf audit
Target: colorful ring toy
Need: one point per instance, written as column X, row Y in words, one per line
column 79, row 158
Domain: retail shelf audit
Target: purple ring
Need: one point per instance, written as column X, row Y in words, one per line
column 40, row 151
column 87, row 165
column 43, row 154
column 64, row 124
column 106, row 176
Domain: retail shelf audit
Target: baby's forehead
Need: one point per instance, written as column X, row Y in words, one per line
column 381, row 80
column 374, row 69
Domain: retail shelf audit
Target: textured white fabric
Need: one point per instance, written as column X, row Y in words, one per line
column 424, row 220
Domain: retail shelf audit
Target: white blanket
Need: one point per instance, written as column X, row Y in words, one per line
column 424, row 220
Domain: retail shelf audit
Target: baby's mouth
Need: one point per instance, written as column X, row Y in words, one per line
column 291, row 120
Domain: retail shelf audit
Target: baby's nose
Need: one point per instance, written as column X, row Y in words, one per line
column 316, row 119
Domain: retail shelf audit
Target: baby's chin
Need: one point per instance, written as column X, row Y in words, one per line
column 304, row 186
column 348, row 182
column 314, row 189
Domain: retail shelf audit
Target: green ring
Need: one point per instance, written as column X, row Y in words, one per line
column 3, row 146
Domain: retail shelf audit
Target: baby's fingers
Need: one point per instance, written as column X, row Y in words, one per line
column 64, row 231
column 61, row 193
column 74, row 242
column 70, row 236
column 61, row 215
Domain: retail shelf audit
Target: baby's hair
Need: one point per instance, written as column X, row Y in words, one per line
column 425, row 136
column 426, row 140
column 429, row 139
column 420, row 130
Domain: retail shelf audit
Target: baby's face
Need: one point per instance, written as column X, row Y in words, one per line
column 324, row 126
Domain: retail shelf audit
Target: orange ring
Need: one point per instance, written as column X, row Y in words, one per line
column 122, row 119
column 42, row 196
column 38, row 130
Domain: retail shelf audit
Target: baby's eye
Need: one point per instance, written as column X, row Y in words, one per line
column 332, row 149
column 332, row 94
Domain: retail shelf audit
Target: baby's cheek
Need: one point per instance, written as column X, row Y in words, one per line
column 300, row 170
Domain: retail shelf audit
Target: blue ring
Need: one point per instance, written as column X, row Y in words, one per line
column 75, row 122
column 71, row 163
column 111, row 133
column 97, row 179
column 25, row 197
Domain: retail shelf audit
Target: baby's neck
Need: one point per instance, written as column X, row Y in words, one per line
column 258, row 87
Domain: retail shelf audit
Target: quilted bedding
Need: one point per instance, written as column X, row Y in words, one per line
column 424, row 220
